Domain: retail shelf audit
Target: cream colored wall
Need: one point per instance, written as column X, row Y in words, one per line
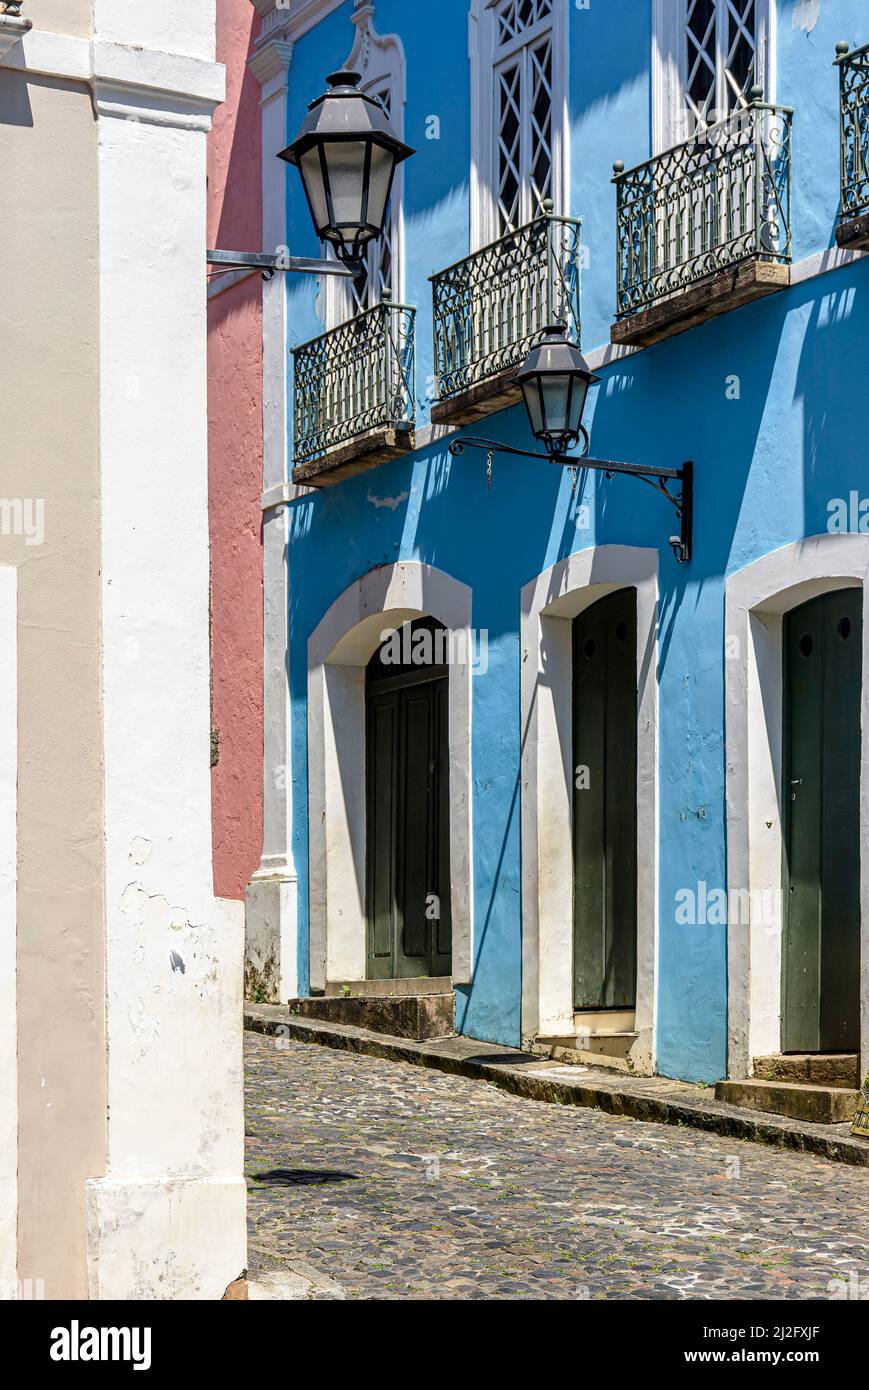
column 60, row 16
column 49, row 450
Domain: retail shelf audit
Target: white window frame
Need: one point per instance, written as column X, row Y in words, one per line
column 380, row 59
column 670, row 118
column 482, row 53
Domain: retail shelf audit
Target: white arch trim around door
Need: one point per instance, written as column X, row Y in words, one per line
column 550, row 602
column 756, row 599
column 339, row 649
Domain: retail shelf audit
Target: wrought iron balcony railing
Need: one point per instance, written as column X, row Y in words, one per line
column 490, row 308
column 854, row 136
column 707, row 204
column 354, row 378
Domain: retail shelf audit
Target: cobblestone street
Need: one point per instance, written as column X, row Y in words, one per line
column 375, row 1179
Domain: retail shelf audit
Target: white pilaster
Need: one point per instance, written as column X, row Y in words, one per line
column 271, row 901
column 167, row 1220
column 8, row 880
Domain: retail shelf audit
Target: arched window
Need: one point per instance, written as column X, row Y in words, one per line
column 708, row 55
column 380, row 60
column 519, row 85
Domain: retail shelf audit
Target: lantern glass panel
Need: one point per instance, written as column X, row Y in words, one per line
column 312, row 177
column 345, row 162
column 556, row 390
column 382, row 169
column 533, row 405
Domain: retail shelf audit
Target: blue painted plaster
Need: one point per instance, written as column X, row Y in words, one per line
column 767, row 465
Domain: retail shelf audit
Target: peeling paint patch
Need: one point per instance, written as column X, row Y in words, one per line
column 140, row 850
column 393, row 503
column 153, row 909
column 176, row 962
column 130, row 899
column 806, row 15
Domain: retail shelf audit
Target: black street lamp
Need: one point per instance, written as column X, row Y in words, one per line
column 346, row 153
column 554, row 379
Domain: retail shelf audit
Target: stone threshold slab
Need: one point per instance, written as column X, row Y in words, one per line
column 653, row 1099
column 358, row 455
column 716, row 294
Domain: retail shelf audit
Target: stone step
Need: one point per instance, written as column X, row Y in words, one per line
column 824, row 1105
column 416, row 1016
column 610, row 1051
column 596, row 1045
column 388, row 989
column 811, row 1069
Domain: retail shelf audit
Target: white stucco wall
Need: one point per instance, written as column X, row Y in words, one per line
column 167, row 1219
column 175, row 26
column 8, row 1003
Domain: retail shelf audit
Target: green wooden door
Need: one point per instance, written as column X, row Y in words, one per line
column 605, row 803
column 408, row 867
column 821, row 743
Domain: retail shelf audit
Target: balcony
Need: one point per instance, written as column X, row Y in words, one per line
column 354, row 396
column 853, row 229
column 491, row 307
column 704, row 227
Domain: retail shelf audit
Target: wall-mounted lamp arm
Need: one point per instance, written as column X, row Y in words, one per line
column 658, row 478
column 260, row 260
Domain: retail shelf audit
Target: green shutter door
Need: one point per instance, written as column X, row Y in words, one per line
column 408, row 883
column 382, row 762
column 605, row 803
column 821, row 945
column 412, row 947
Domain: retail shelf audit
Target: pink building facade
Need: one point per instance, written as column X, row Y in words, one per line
column 235, row 465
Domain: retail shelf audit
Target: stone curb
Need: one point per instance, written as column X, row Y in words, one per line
column 651, row 1099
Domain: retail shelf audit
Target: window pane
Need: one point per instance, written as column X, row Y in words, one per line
column 541, row 124
column 509, row 146
column 740, row 58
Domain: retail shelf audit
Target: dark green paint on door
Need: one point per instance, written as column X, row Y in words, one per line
column 407, row 775
column 823, row 646
column 605, row 803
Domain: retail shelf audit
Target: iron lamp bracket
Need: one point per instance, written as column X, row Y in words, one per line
column 294, row 265
column 680, row 480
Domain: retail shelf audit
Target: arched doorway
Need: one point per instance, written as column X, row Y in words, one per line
column 769, row 836
column 339, row 651
column 555, row 752
column 823, row 656
column 408, row 804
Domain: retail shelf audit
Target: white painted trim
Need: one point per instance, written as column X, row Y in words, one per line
column 549, row 603
column 271, row 934
column 173, row 1035
column 8, row 919
column 822, row 262
column 483, row 228
column 52, row 55
column 305, row 15
column 756, row 599
column 144, row 84
column 338, row 651
column 668, row 67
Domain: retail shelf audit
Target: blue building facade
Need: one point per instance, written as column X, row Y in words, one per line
column 726, row 316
